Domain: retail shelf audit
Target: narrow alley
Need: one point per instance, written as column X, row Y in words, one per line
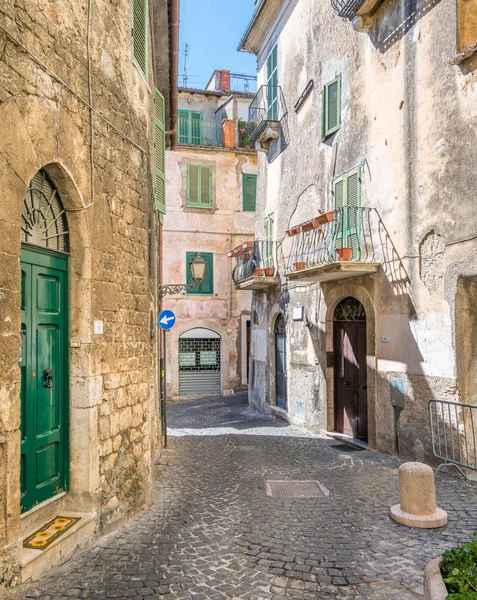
column 224, row 525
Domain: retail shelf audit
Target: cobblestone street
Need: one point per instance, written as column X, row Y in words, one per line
column 214, row 532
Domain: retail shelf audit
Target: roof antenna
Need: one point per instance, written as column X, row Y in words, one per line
column 186, row 56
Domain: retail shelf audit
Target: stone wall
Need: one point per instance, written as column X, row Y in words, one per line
column 46, row 123
column 408, row 121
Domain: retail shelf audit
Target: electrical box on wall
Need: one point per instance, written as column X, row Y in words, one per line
column 397, row 392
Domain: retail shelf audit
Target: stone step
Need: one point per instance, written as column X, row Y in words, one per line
column 35, row 563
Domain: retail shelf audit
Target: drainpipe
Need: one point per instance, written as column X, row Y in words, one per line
column 174, row 71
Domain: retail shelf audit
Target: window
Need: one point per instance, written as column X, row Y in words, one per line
column 347, row 202
column 190, row 127
column 159, row 154
column 249, row 184
column 139, row 34
column 199, row 186
column 269, row 232
column 272, row 85
column 207, row 284
column 331, row 107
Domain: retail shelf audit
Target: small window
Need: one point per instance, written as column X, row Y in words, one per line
column 207, row 284
column 159, row 154
column 139, row 34
column 199, row 186
column 249, row 183
column 331, row 107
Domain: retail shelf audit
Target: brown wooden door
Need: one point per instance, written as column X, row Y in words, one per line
column 351, row 402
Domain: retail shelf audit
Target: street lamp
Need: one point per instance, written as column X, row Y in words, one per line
column 197, row 271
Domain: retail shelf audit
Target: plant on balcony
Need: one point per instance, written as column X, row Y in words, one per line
column 270, row 271
column 258, row 272
column 299, row 266
column 460, row 571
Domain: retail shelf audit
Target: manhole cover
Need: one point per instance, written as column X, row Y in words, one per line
column 296, row 489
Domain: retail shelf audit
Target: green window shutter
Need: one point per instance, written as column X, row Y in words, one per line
column 190, row 127
column 199, row 186
column 272, row 83
column 159, row 153
column 347, row 222
column 139, row 33
column 249, row 184
column 331, row 107
column 207, row 284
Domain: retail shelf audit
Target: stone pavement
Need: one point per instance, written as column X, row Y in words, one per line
column 213, row 531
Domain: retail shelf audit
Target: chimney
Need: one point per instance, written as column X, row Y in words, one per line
column 225, row 81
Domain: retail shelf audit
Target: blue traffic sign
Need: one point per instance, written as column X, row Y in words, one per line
column 166, row 319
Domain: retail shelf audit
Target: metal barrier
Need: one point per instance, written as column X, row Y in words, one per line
column 453, row 434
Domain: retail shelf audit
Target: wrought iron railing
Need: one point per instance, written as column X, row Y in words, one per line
column 267, row 106
column 347, row 234
column 196, row 132
column 257, row 258
column 243, row 83
column 347, row 9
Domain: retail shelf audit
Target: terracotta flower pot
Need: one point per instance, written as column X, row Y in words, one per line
column 258, row 272
column 309, row 225
column 326, row 217
column 343, row 254
column 269, row 271
column 299, row 266
column 294, row 231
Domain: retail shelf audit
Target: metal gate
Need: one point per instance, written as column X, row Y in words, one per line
column 199, row 363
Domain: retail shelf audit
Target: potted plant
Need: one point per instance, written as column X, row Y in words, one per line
column 299, row 266
column 258, row 273
column 453, row 575
column 270, row 271
column 343, row 254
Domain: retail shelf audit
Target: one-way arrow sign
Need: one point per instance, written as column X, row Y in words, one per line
column 166, row 319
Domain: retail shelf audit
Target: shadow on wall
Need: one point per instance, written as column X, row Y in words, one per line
column 395, row 19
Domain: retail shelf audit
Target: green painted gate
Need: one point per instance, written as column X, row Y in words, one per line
column 44, row 376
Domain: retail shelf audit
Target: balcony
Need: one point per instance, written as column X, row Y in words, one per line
column 350, row 9
column 255, row 265
column 265, row 115
column 196, row 132
column 336, row 245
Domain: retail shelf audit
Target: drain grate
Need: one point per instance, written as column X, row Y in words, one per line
column 296, row 489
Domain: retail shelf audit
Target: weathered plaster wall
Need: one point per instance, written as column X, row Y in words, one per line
column 408, row 118
column 45, row 124
column 215, row 230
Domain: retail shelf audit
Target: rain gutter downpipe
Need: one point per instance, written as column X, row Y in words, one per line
column 174, row 71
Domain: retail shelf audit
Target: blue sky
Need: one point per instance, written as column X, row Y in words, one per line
column 213, row 29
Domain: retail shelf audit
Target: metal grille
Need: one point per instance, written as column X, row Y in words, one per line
column 199, row 367
column 296, row 489
column 44, row 220
column 350, row 309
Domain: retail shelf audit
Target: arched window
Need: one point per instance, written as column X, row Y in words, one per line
column 349, row 309
column 44, row 220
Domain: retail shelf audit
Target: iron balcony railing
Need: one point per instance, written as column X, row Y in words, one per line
column 196, row 132
column 257, row 258
column 267, row 107
column 347, row 9
column 243, row 83
column 348, row 234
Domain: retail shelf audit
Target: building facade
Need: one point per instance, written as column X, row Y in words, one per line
column 211, row 188
column 79, row 419
column 366, row 125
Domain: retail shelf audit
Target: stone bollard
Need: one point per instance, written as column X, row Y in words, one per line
column 418, row 498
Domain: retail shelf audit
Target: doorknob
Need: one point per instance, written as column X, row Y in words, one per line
column 48, row 380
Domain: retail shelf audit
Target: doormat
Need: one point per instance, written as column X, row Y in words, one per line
column 296, row 489
column 50, row 532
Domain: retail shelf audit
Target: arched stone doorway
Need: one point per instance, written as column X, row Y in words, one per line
column 200, row 363
column 44, row 364
column 350, row 371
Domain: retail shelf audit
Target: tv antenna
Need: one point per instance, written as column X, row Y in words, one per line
column 186, row 56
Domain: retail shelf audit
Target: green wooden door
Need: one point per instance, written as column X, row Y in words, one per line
column 44, row 376
column 347, row 206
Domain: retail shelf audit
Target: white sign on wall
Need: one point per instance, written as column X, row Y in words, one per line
column 98, row 328
column 298, row 313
